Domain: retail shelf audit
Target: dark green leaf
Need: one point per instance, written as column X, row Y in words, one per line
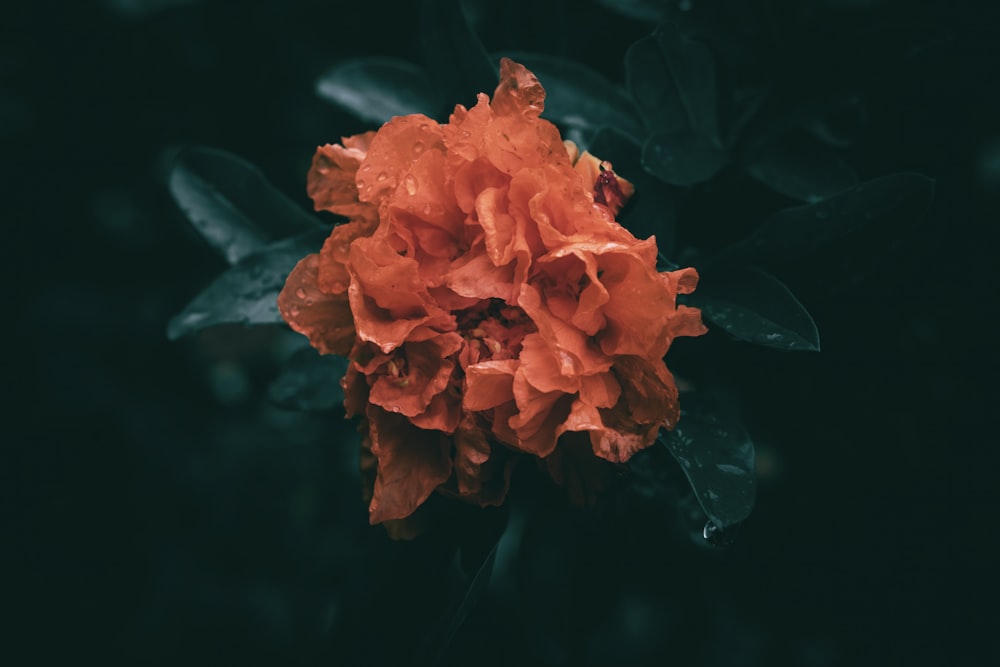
column 247, row 292
column 691, row 66
column 717, row 457
column 310, row 381
column 754, row 306
column 652, row 209
column 578, row 97
column 794, row 232
column 643, row 10
column 648, row 81
column 684, row 157
column 231, row 204
column 801, row 168
column 376, row 89
column 476, row 587
column 454, row 54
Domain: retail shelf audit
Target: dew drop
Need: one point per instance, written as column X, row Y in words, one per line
column 393, row 408
column 418, row 147
column 294, row 311
column 382, row 176
column 719, row 537
column 427, row 209
column 300, row 293
column 411, row 185
column 309, row 301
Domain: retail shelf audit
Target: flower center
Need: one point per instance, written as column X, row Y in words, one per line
column 493, row 330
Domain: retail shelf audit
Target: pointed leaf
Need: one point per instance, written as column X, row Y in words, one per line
column 794, row 232
column 376, row 89
column 717, row 457
column 247, row 292
column 231, row 204
column 754, row 306
column 310, row 381
column 802, row 168
column 684, row 157
column 579, row 97
column 454, row 54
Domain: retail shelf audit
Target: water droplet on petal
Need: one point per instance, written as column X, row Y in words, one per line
column 418, row 147
column 300, row 293
column 411, row 184
column 427, row 209
column 309, row 301
column 382, row 176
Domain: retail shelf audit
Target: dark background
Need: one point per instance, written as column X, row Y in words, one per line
column 161, row 511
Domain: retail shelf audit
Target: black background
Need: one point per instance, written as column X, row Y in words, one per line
column 160, row 512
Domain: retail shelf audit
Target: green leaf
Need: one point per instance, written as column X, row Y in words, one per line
column 310, row 381
column 648, row 80
column 247, row 292
column 231, row 204
column 652, row 209
column 579, row 97
column 756, row 307
column 454, row 54
column 642, row 10
column 671, row 76
column 376, row 89
column 684, row 157
column 793, row 232
column 801, row 168
column 718, row 459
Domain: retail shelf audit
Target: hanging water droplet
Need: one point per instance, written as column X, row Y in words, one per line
column 719, row 537
column 411, row 184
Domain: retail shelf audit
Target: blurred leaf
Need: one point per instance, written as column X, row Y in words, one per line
column 376, row 89
column 717, row 457
column 310, row 381
column 642, row 10
column 801, row 168
column 454, row 55
column 842, row 124
column 683, row 157
column 579, row 97
column 474, row 591
column 793, row 232
column 754, row 306
column 231, row 204
column 652, row 209
column 671, row 76
column 247, row 292
column 691, row 66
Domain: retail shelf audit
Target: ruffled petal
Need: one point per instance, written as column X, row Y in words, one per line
column 412, row 462
column 325, row 318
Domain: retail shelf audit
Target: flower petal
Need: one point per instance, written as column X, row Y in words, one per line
column 325, row 318
column 412, row 462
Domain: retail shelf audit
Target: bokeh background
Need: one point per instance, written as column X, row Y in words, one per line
column 160, row 510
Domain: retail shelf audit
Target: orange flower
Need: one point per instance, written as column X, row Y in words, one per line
column 488, row 300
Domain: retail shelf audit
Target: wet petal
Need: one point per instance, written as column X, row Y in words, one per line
column 325, row 318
